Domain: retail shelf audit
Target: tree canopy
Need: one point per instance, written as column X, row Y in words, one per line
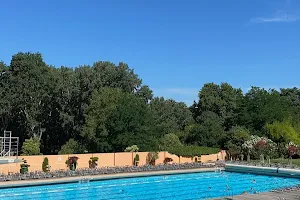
column 105, row 107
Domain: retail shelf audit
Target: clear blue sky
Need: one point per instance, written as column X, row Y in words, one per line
column 175, row 46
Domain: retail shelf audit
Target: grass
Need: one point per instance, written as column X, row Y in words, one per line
column 286, row 161
column 281, row 161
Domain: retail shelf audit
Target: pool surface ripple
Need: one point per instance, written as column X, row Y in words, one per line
column 183, row 186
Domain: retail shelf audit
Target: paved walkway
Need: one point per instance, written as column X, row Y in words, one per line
column 21, row 183
column 281, row 195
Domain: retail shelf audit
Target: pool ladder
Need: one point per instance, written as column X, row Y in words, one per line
column 84, row 180
column 218, row 170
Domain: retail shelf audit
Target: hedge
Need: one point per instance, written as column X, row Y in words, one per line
column 192, row 151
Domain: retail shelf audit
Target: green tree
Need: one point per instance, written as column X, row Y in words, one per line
column 261, row 107
column 169, row 115
column 221, row 100
column 96, row 131
column 282, row 132
column 170, row 141
column 207, row 132
column 236, row 137
column 45, row 165
column 116, row 119
column 31, row 147
column 145, row 93
column 71, row 147
column 133, row 148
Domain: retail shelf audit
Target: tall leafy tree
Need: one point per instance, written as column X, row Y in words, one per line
column 208, row 132
column 170, row 116
column 116, row 119
column 261, row 107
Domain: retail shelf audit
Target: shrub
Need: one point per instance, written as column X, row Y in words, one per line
column 169, row 141
column 136, row 159
column 45, row 165
column 133, row 148
column 31, row 147
column 24, row 167
column 151, row 158
column 93, row 162
column 72, row 162
column 257, row 146
column 71, row 147
column 167, row 160
column 192, row 151
column 292, row 149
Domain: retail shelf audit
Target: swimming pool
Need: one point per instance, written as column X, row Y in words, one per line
column 183, row 186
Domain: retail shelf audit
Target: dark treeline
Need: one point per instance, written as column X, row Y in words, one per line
column 106, row 108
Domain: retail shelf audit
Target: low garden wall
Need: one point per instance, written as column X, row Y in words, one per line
column 57, row 162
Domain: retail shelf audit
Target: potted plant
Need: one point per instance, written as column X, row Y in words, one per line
column 93, row 162
column 24, row 167
column 72, row 162
column 137, row 160
column 45, row 165
column 167, row 160
column 151, row 158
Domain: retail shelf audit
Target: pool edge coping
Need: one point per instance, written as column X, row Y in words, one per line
column 260, row 170
column 66, row 180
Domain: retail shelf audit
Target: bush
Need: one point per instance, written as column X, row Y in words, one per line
column 136, row 159
column 133, row 148
column 31, row 147
column 72, row 162
column 151, row 158
column 93, row 162
column 45, row 165
column 167, row 160
column 169, row 141
column 257, row 146
column 71, row 147
column 24, row 167
column 192, row 151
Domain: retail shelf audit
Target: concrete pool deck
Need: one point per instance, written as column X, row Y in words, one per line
column 51, row 181
column 282, row 195
column 270, row 171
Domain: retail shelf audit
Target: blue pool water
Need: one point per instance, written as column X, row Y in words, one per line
column 183, row 186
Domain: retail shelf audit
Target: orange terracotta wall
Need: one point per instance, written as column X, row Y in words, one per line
column 106, row 159
column 213, row 157
column 124, row 159
column 57, row 162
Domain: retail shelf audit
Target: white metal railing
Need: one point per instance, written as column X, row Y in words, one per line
column 9, row 145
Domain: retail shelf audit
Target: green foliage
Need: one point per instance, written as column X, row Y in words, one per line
column 72, row 162
column 261, row 107
column 71, row 147
column 170, row 141
column 137, row 157
column 257, row 146
column 221, row 100
column 169, row 115
column 192, row 151
column 207, row 132
column 282, row 132
column 151, row 158
column 133, row 148
column 45, row 165
column 107, row 108
column 31, row 147
column 24, row 167
column 113, row 120
column 93, row 162
column 236, row 137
